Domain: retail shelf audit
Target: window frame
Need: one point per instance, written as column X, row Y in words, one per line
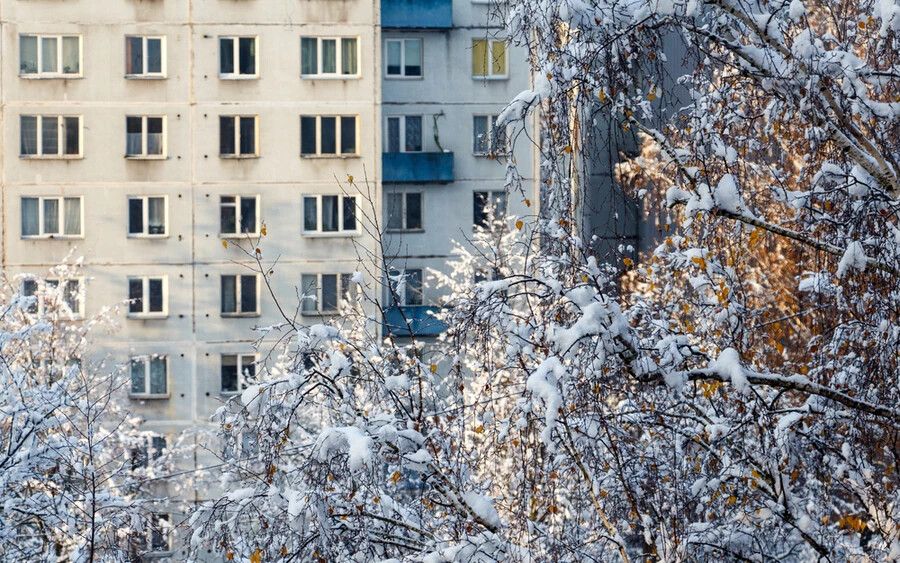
column 402, row 41
column 237, row 216
column 146, row 360
column 145, row 216
column 61, row 219
column 41, row 75
column 402, row 299
column 402, row 125
column 340, row 278
column 338, row 75
column 489, row 132
column 40, row 306
column 489, row 198
column 145, row 297
column 241, row 384
column 236, row 57
column 237, row 297
column 162, row 74
column 403, row 216
column 490, row 42
column 61, row 128
column 319, row 233
column 145, row 131
column 337, row 137
column 237, row 137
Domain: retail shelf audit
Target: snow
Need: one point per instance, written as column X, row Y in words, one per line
column 728, row 365
column 483, row 507
column 350, row 440
column 727, row 195
column 854, row 257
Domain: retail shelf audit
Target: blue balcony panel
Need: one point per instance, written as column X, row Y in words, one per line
column 417, row 167
column 417, row 14
column 420, row 321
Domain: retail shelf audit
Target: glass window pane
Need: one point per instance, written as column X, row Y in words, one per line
column 154, row 135
column 135, row 216
column 479, row 57
column 229, row 374
column 307, row 135
column 227, row 215
column 414, row 287
column 349, row 213
column 479, row 215
column 70, row 296
column 136, row 295
column 134, row 55
column 30, row 221
column 248, row 367
column 309, row 55
column 329, row 213
column 329, row 135
column 308, row 287
column 248, row 214
column 72, row 216
column 133, row 135
column 498, row 57
column 248, row 135
column 413, row 211
column 158, row 376
column 51, row 216
column 71, row 55
column 71, row 126
column 348, row 55
column 329, row 292
column 226, row 134
column 329, row 56
column 310, row 214
column 138, row 376
column 156, row 215
column 226, row 55
column 28, row 132
column 154, row 55
column 49, row 134
column 395, row 211
column 479, row 134
column 248, row 55
column 413, row 60
column 229, row 294
column 393, row 58
column 413, row 133
column 348, row 135
column 155, row 289
column 28, row 54
column 393, row 134
column 48, row 55
column 248, row 294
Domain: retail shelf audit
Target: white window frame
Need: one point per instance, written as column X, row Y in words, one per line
column 237, row 216
column 405, row 228
column 403, row 75
column 237, row 297
column 61, row 133
column 237, row 137
column 337, row 138
column 145, row 221
column 145, row 298
column 61, row 209
column 341, row 298
column 318, row 232
column 490, row 199
column 242, row 360
column 41, row 302
column 145, row 359
column 237, row 75
column 402, row 125
column 490, row 59
column 59, row 56
column 145, row 131
column 162, row 53
column 401, row 298
column 338, row 57
column 491, row 127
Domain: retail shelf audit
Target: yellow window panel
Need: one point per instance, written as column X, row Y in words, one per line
column 479, row 57
column 498, row 53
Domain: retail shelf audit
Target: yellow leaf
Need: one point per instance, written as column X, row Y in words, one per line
column 527, row 203
column 263, row 230
column 229, row 556
column 651, row 96
column 479, row 429
column 568, row 148
column 699, row 261
column 395, row 477
column 224, row 244
column 627, row 261
column 349, row 178
column 584, row 279
column 433, row 368
column 283, row 550
column 519, row 225
column 257, row 556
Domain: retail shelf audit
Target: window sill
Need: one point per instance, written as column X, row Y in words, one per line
column 145, row 396
column 51, row 156
column 330, row 76
column 148, row 316
column 321, row 156
column 403, row 77
column 238, row 156
column 404, row 152
column 146, row 157
column 319, row 313
column 492, row 154
column 238, row 77
column 146, row 77
column 51, row 76
column 147, row 236
column 239, row 315
column 338, row 234
column 497, row 77
column 53, row 237
column 238, row 235
column 414, row 231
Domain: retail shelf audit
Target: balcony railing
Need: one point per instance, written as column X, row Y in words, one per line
column 420, row 321
column 417, row 167
column 417, row 14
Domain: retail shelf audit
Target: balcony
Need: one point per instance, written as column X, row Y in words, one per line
column 421, row 323
column 417, row 167
column 417, row 14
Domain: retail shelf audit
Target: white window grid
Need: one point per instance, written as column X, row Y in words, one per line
column 490, row 146
column 236, row 205
column 145, row 216
column 242, row 360
column 238, row 312
column 312, row 298
column 146, row 313
column 401, row 124
column 403, row 211
column 337, row 133
column 146, row 55
column 338, row 58
column 399, row 280
column 490, row 45
column 318, row 232
column 237, row 137
column 61, row 221
column 402, row 74
column 144, row 153
column 146, row 360
column 60, row 73
column 61, row 136
column 41, row 289
column 237, row 74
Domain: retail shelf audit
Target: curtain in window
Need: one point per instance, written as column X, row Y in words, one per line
column 228, row 215
column 72, row 210
column 308, row 287
column 71, row 56
column 413, row 62
column 134, row 55
column 154, row 55
column 393, row 134
column 393, row 57
column 329, row 56
column 138, row 375
column 51, row 216
column 30, row 214
column 70, row 296
column 156, row 215
column 479, row 57
column 329, row 213
column 309, row 55
column 348, row 55
column 28, row 134
column 48, row 55
column 158, row 376
column 413, row 133
column 133, row 136
column 28, row 54
column 498, row 57
column 310, row 214
column 229, row 294
column 395, row 212
column 154, row 135
column 49, row 134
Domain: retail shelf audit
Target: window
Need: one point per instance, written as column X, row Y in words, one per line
column 50, row 135
column 238, row 215
column 147, row 297
column 403, row 58
column 145, row 57
column 236, row 370
column 149, row 376
column 486, row 136
column 329, row 56
column 323, row 293
column 404, row 133
column 154, row 539
column 52, row 217
column 145, row 136
column 240, row 295
column 50, row 56
column 323, row 214
column 150, row 450
column 406, row 285
column 237, row 57
column 488, row 58
column 47, row 294
column 147, row 216
column 237, row 135
column 404, row 211
column 488, row 206
column 325, row 135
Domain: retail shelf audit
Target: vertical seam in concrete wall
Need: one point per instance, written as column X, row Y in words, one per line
column 191, row 195
column 3, row 211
